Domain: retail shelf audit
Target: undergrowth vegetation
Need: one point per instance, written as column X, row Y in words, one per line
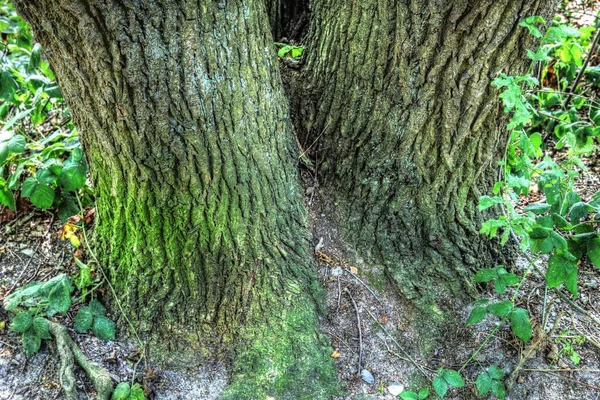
column 555, row 125
column 40, row 154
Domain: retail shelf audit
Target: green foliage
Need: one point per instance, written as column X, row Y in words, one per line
column 92, row 316
column 36, row 299
column 40, row 153
column 420, row 395
column 288, row 50
column 124, row 391
column 491, row 381
column 567, row 341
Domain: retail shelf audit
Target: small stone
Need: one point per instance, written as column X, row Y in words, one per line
column 27, row 252
column 367, row 376
column 395, row 388
column 337, row 271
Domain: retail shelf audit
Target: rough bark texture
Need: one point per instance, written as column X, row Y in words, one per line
column 409, row 129
column 200, row 220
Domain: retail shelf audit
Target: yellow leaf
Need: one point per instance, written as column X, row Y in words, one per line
column 335, row 354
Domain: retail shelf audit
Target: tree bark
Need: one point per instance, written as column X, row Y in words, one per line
column 409, row 130
column 200, row 220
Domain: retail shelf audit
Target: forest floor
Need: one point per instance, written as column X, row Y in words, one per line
column 31, row 250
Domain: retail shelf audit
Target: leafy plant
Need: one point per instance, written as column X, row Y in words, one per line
column 40, row 153
column 568, row 343
column 420, row 395
column 93, row 316
column 288, row 50
column 491, row 381
column 37, row 300
column 124, row 391
column 446, row 378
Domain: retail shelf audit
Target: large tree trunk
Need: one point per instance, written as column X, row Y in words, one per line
column 200, row 220
column 410, row 131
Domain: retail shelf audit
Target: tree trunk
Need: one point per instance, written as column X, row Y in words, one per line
column 410, row 131
column 200, row 219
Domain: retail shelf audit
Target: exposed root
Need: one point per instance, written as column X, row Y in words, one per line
column 68, row 352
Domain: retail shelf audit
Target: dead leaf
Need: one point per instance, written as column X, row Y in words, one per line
column 383, row 319
column 335, row 354
column 354, row 270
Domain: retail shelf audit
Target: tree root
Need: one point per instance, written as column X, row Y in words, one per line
column 69, row 352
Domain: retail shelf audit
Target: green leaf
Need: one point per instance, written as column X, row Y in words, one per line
column 104, row 328
column 484, row 383
column 137, row 393
column 31, row 342
column 520, row 325
column 440, row 386
column 495, row 372
column 407, row 395
column 486, row 202
column 453, row 378
column 41, row 195
column 16, row 144
column 122, row 392
column 21, row 322
column 578, row 211
column 477, row 315
column 83, row 320
column 423, row 393
column 593, row 251
column 97, row 308
column 498, row 390
column 560, row 268
column 486, row 274
column 500, row 309
column 59, row 299
column 41, row 328
column 6, row 195
column 538, row 208
column 284, row 50
column 297, row 51
column 74, row 172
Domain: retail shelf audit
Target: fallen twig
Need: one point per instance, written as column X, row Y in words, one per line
column 360, row 345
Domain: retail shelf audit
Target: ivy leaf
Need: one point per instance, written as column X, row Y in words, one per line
column 21, row 322
column 483, row 383
column 453, row 378
column 83, row 320
column 41, row 328
column 477, row 315
column 97, row 308
column 520, row 325
column 104, row 328
column 31, row 342
column 500, row 309
column 60, row 298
